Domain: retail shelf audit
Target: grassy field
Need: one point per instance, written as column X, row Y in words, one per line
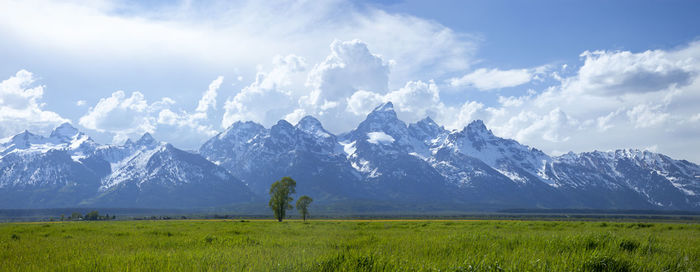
column 379, row 245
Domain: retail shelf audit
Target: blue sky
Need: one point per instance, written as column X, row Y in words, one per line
column 522, row 33
column 557, row 75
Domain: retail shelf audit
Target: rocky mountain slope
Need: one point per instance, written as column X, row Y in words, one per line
column 383, row 161
column 69, row 169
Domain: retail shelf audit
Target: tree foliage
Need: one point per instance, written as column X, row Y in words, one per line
column 280, row 199
column 303, row 205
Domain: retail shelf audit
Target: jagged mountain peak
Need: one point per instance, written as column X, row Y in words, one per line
column 383, row 112
column 23, row 135
column 312, row 126
column 64, row 131
column 309, row 123
column 478, row 126
column 281, row 125
column 128, row 142
column 238, row 125
column 239, row 128
column 388, row 106
column 22, row 140
column 426, row 129
column 147, row 140
column 427, row 121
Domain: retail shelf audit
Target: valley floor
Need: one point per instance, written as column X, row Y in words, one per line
column 349, row 245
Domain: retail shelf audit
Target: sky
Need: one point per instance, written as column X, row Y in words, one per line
column 556, row 75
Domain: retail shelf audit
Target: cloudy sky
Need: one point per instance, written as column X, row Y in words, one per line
column 557, row 75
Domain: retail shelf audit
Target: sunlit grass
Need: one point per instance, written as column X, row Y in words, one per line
column 357, row 245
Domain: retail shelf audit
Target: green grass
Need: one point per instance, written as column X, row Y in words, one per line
column 349, row 246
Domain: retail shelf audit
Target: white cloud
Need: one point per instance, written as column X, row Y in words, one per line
column 240, row 32
column 416, row 100
column 621, row 72
column 605, row 122
column 489, row 79
column 362, row 102
column 349, row 67
column 270, row 97
column 611, row 95
column 231, row 39
column 643, row 115
column 614, row 100
column 21, row 107
column 209, row 98
column 123, row 116
column 129, row 117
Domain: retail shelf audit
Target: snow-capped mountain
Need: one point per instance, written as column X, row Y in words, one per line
column 64, row 137
column 307, row 152
column 390, row 160
column 69, row 169
column 38, row 171
column 383, row 161
column 160, row 175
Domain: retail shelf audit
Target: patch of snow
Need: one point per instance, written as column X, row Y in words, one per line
column 378, row 137
column 349, row 148
column 511, row 175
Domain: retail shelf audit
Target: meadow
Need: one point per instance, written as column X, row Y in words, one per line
column 349, row 245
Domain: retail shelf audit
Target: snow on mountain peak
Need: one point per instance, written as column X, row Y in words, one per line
column 426, row 129
column 477, row 125
column 427, row 121
column 311, row 125
column 240, row 128
column 388, row 106
column 382, row 113
column 64, row 131
column 22, row 141
column 379, row 137
column 147, row 140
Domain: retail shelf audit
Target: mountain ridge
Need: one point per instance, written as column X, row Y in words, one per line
column 383, row 159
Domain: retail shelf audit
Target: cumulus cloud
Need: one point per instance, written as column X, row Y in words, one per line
column 489, row 79
column 349, row 67
column 21, row 107
column 416, row 100
column 209, row 98
column 128, row 117
column 621, row 72
column 616, row 99
column 362, row 102
column 269, row 98
column 377, row 57
column 241, row 32
column 643, row 115
column 122, row 115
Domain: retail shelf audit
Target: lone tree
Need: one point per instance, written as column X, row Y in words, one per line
column 303, row 205
column 280, row 201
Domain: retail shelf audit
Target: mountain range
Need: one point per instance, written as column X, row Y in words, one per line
column 383, row 161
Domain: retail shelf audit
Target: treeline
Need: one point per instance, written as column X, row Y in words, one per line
column 91, row 216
